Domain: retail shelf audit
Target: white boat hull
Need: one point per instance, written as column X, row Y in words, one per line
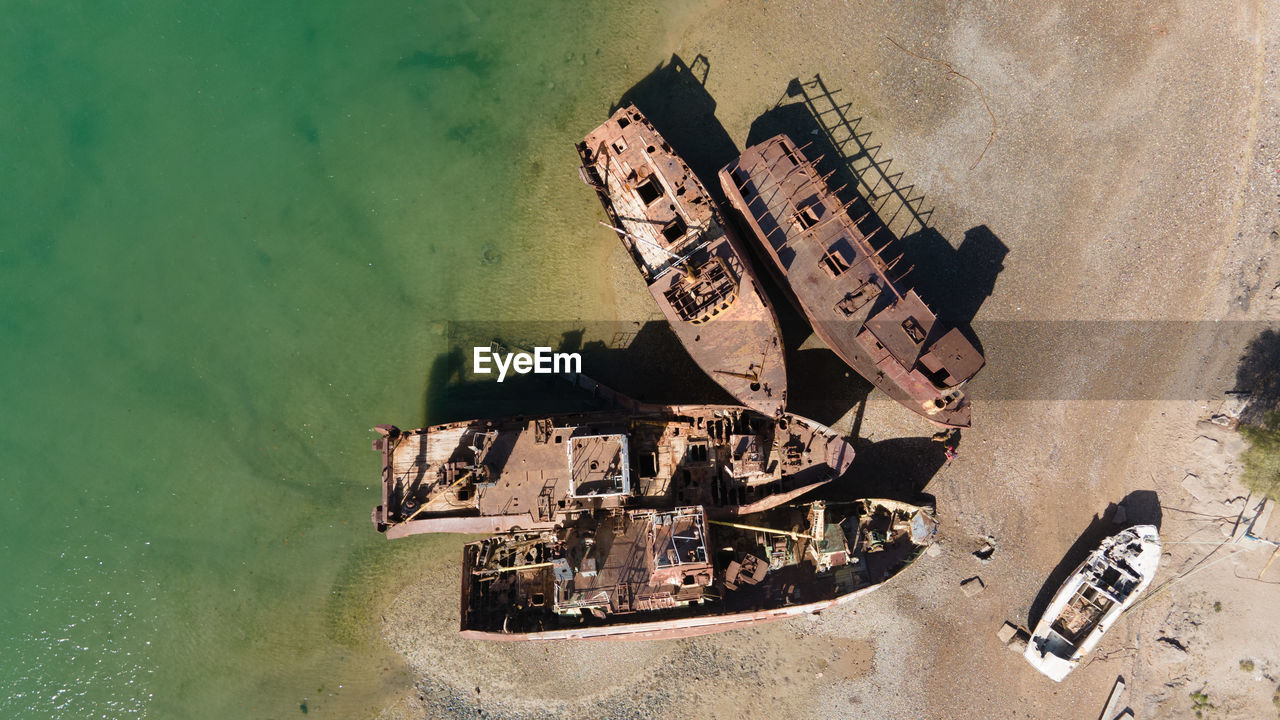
column 1106, row 584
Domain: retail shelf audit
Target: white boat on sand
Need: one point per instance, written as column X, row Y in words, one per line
column 1106, row 584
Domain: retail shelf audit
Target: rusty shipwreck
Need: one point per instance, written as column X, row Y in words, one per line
column 839, row 280
column 653, row 573
column 485, row 476
column 696, row 269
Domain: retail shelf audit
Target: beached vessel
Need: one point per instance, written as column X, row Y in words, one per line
column 839, row 280
column 651, row 573
column 696, row 269
column 485, row 476
column 1105, row 585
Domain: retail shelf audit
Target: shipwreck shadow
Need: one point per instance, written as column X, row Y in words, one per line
column 1141, row 507
column 954, row 281
column 1259, row 375
column 675, row 99
column 896, row 469
column 644, row 361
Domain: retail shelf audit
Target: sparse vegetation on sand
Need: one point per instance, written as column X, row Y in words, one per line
column 1262, row 458
column 1200, row 702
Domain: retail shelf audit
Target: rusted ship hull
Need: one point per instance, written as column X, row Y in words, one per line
column 494, row 476
column 838, row 279
column 697, row 271
column 612, row 579
column 670, row 629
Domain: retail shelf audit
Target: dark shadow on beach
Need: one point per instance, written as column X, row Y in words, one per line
column 1259, row 375
column 643, row 361
column 897, row 469
column 1141, row 507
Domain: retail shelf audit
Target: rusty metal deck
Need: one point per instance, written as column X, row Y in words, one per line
column 843, row 285
column 696, row 269
column 642, row 574
column 498, row 475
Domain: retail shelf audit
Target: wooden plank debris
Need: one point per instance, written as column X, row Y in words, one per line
column 1108, row 712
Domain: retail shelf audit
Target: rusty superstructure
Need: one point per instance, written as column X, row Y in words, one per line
column 484, row 476
column 662, row 573
column 696, row 269
column 840, row 281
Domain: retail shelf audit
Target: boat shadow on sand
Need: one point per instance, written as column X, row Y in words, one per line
column 1140, row 507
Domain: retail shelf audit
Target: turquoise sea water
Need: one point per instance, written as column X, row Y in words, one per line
column 229, row 235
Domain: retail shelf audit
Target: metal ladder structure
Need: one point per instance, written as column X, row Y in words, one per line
column 898, row 207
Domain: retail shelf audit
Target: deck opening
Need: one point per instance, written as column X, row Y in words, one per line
column 807, row 218
column 913, row 330
column 786, row 153
column 833, row 262
column 674, row 230
column 649, row 190
column 856, row 300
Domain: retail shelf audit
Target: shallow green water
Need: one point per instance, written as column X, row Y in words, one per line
column 229, row 234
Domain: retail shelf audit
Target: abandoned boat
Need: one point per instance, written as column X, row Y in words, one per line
column 840, row 282
column 486, row 476
column 695, row 267
column 1087, row 605
column 635, row 574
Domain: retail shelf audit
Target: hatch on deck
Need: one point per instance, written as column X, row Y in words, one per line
column 903, row 328
column 599, row 466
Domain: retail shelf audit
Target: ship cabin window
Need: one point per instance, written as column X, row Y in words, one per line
column 697, row 452
column 807, row 218
column 649, row 190
column 649, row 465
column 834, row 261
column 674, row 230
